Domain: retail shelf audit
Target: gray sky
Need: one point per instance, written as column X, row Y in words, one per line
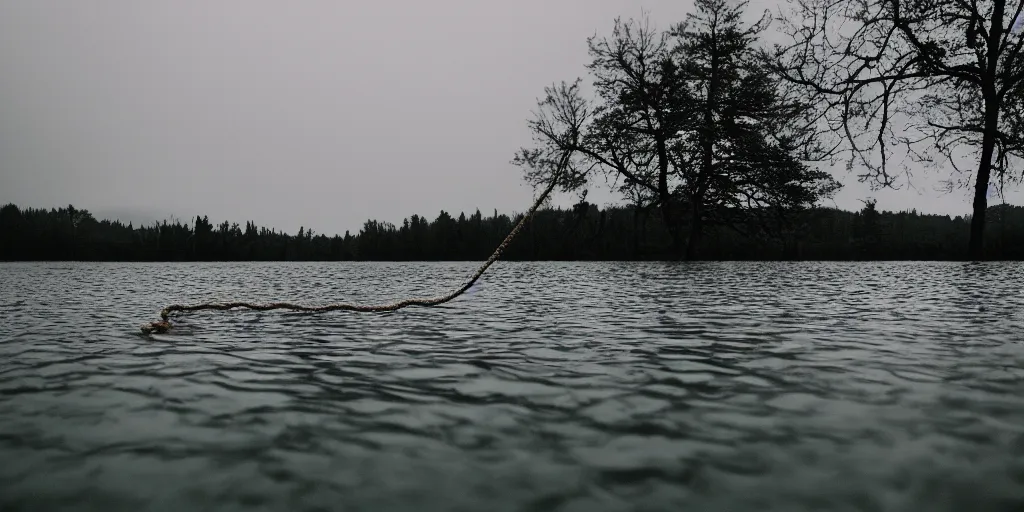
column 315, row 113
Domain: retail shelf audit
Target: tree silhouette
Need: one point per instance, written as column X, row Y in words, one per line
column 689, row 120
column 949, row 71
column 583, row 232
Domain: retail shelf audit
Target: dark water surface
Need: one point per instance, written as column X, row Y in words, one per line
column 572, row 387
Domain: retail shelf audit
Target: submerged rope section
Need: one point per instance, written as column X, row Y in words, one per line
column 163, row 325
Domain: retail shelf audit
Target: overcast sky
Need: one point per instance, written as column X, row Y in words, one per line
column 315, row 113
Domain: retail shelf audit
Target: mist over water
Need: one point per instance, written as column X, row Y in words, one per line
column 550, row 386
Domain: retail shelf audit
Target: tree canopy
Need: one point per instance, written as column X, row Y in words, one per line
column 691, row 121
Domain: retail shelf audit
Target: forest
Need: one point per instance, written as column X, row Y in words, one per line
column 584, row 232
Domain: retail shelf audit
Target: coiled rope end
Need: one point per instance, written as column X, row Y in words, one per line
column 158, row 327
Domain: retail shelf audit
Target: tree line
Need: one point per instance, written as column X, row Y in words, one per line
column 583, row 232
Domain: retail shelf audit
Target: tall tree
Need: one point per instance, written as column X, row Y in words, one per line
column 941, row 79
column 624, row 134
column 744, row 154
column 689, row 120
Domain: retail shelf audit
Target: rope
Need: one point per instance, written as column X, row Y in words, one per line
column 163, row 325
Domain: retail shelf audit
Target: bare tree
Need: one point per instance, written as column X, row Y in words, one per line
column 940, row 79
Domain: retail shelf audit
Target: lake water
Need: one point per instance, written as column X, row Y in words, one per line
column 551, row 386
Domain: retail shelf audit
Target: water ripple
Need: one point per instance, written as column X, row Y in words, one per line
column 554, row 386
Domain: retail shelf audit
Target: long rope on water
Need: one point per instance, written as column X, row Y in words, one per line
column 163, row 325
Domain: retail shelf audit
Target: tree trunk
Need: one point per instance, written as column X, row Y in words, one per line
column 667, row 213
column 976, row 246
column 696, row 229
column 636, row 232
column 673, row 229
column 642, row 235
column 708, row 154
